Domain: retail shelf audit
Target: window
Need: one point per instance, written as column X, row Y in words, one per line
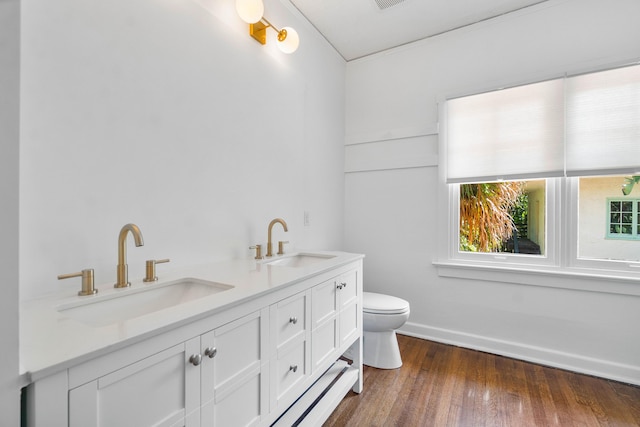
column 608, row 220
column 623, row 219
column 504, row 216
column 568, row 143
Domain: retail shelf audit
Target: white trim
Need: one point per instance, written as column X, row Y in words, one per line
column 390, row 134
column 402, row 153
column 552, row 277
column 544, row 356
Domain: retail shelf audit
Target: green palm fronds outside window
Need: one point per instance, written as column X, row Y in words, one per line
column 486, row 222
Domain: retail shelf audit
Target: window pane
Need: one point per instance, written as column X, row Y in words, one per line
column 505, row 216
column 608, row 220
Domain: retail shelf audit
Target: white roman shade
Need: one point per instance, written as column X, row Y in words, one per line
column 515, row 133
column 603, row 122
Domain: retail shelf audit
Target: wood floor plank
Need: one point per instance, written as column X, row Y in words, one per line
column 442, row 385
column 403, row 408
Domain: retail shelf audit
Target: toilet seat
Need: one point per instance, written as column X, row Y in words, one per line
column 374, row 303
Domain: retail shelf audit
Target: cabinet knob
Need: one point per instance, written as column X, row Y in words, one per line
column 293, row 368
column 211, row 352
column 344, row 284
column 293, row 320
column 195, row 359
column 339, row 286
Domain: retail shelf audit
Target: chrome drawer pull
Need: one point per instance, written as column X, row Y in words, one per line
column 211, row 352
column 293, row 320
column 293, row 368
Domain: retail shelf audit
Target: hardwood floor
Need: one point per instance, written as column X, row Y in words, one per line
column 442, row 385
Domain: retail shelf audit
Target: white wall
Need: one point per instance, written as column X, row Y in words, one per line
column 9, row 149
column 167, row 114
column 392, row 206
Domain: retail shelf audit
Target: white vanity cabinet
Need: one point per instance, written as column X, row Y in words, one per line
column 261, row 360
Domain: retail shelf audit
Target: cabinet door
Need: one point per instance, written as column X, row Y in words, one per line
column 234, row 378
column 349, row 314
column 324, row 303
column 336, row 318
column 347, row 286
column 160, row 390
column 324, row 314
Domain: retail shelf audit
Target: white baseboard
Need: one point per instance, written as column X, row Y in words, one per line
column 629, row 374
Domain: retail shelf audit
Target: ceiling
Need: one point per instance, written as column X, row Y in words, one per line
column 358, row 28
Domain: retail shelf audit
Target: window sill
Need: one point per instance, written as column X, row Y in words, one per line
column 549, row 277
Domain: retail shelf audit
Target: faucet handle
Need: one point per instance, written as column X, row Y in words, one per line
column 281, row 247
column 87, row 281
column 151, row 269
column 258, row 249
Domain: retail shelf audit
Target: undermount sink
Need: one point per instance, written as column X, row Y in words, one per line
column 135, row 302
column 299, row 260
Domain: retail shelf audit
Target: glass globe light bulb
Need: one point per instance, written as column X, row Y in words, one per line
column 250, row 11
column 288, row 40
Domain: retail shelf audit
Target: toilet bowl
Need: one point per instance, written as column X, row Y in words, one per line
column 381, row 316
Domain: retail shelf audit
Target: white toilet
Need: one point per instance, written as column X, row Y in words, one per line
column 381, row 316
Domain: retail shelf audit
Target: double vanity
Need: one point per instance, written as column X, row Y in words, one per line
column 234, row 343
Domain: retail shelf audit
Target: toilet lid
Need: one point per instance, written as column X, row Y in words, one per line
column 383, row 304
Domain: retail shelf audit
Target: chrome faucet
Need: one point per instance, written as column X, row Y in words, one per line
column 271, row 224
column 123, row 274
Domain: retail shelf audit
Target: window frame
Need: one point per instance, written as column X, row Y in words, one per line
column 550, row 257
column 563, row 270
column 609, row 268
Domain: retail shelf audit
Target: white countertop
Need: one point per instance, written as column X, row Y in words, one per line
column 51, row 341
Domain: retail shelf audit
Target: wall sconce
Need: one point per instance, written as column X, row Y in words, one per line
column 251, row 12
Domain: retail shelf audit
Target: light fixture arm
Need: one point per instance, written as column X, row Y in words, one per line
column 288, row 39
column 269, row 24
column 259, row 29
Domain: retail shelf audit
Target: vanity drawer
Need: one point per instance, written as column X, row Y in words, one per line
column 289, row 318
column 290, row 370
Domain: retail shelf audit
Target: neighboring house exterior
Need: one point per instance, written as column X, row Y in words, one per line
column 537, row 208
column 608, row 220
